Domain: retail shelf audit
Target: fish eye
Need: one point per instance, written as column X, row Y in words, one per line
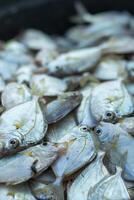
column 84, row 128
column 109, row 115
column 14, row 142
column 98, row 131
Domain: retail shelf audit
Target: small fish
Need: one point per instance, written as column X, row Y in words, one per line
column 110, row 101
column 87, row 179
column 110, row 187
column 36, row 40
column 74, row 62
column 80, row 151
column 15, row 94
column 119, row 145
column 44, row 85
column 60, row 107
column 28, row 163
column 21, row 126
column 17, row 192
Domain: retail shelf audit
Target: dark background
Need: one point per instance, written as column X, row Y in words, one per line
column 51, row 16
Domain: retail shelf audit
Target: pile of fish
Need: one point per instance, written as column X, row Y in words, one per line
column 67, row 111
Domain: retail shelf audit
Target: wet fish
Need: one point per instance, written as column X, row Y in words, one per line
column 119, row 145
column 80, row 151
column 60, row 107
column 44, row 85
column 110, row 101
column 15, row 94
column 21, row 126
column 111, row 187
column 30, row 163
column 87, row 179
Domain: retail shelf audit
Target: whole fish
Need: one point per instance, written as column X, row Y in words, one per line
column 119, row 146
column 15, row 94
column 110, row 101
column 21, row 126
column 87, row 179
column 28, row 163
column 110, row 187
column 80, row 151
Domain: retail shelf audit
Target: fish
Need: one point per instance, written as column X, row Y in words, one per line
column 17, row 192
column 80, row 151
column 36, row 40
column 119, row 146
column 110, row 187
column 15, row 94
column 74, row 62
column 88, row 178
column 63, row 105
column 110, row 101
column 21, row 126
column 30, row 163
column 45, row 85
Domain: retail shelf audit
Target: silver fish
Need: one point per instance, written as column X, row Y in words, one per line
column 21, row 126
column 111, row 100
column 80, row 151
column 119, row 145
column 30, row 162
column 111, row 187
column 87, row 179
column 15, row 94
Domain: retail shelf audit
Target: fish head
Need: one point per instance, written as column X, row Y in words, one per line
column 106, row 133
column 9, row 143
